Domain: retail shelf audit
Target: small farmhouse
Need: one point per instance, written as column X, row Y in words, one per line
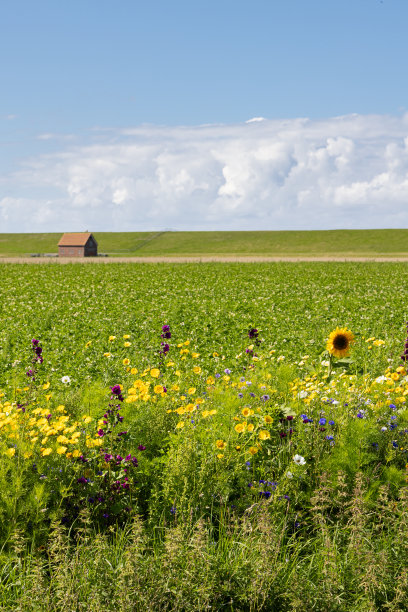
column 80, row 244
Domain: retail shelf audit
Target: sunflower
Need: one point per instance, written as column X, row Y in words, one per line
column 339, row 342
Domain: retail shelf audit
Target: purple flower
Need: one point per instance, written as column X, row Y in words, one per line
column 141, row 447
column 253, row 332
column 240, row 395
column 227, row 371
column 265, row 398
column 116, row 389
column 100, row 433
column 173, row 510
column 108, row 457
column 166, row 328
column 322, row 421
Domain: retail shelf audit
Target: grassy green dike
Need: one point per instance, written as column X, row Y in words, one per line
column 243, row 467
column 366, row 243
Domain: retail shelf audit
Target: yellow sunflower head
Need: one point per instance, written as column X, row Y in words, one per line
column 339, row 342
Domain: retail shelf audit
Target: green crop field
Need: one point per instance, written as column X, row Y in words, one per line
column 367, row 243
column 184, row 437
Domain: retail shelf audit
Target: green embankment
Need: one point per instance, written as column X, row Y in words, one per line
column 370, row 243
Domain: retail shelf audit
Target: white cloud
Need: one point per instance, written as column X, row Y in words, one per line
column 349, row 171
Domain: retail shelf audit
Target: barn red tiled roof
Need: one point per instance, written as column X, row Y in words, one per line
column 75, row 239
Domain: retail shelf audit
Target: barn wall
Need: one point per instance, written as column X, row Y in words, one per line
column 71, row 251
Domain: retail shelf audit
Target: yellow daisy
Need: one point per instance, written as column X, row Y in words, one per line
column 339, row 341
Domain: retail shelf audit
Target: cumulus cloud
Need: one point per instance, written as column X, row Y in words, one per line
column 342, row 172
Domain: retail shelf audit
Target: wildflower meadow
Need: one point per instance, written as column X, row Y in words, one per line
column 204, row 437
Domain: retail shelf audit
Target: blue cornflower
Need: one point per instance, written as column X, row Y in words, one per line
column 331, row 422
column 322, row 421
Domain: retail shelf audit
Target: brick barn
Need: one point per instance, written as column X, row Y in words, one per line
column 79, row 244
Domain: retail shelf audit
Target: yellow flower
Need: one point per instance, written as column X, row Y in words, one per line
column 187, row 342
column 126, row 337
column 197, row 370
column 246, row 412
column 126, row 361
column 107, row 355
column 250, row 427
column 180, row 425
column 213, row 412
column 395, row 376
column 195, row 355
column 155, row 373
column 46, row 451
column 205, row 414
column 190, row 408
column 134, row 371
column 48, row 396
column 61, row 450
column 76, row 453
column 192, row 390
column 264, row 434
column 86, row 419
column 239, row 428
column 339, row 341
column 180, row 410
column 46, row 386
column 10, row 452
column 237, row 448
column 158, row 389
column 215, row 354
column 112, row 338
column 253, row 450
column 127, row 344
column 210, row 380
column 220, row 455
column 268, row 419
column 88, row 344
column 400, row 370
column 220, row 444
column 60, row 408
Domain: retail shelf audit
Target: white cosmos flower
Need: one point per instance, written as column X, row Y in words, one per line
column 299, row 460
column 289, row 474
column 66, row 380
column 381, row 379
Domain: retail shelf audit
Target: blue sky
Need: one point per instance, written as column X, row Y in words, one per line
column 83, row 76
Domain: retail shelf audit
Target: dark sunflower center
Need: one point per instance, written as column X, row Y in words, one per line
column 340, row 342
